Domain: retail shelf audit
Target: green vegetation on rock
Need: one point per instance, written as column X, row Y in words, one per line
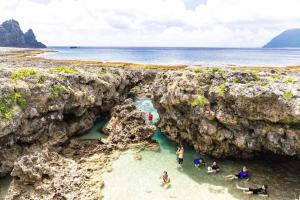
column 103, row 71
column 22, row 73
column 215, row 69
column 289, row 80
column 221, row 89
column 8, row 103
column 288, row 95
column 198, row 70
column 276, row 76
column 67, row 70
column 56, row 90
column 199, row 101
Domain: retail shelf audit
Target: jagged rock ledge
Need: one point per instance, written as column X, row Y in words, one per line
column 230, row 113
column 42, row 107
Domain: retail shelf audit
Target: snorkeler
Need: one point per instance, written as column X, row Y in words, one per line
column 198, row 162
column 166, row 181
column 262, row 191
column 180, row 154
column 241, row 175
column 213, row 168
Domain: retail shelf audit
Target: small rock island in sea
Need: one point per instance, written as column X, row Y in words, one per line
column 11, row 35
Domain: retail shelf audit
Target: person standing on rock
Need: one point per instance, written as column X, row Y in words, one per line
column 180, row 154
column 150, row 117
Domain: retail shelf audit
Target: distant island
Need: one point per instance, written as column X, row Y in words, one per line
column 288, row 38
column 11, row 35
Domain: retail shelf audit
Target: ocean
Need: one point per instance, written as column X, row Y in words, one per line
column 181, row 55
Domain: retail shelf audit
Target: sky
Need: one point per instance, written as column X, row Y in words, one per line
column 189, row 23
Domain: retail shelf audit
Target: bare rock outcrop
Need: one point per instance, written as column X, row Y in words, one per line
column 228, row 113
column 130, row 127
column 47, row 175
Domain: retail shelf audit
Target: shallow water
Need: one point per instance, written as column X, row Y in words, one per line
column 181, row 55
column 145, row 104
column 95, row 132
column 139, row 179
column 4, row 185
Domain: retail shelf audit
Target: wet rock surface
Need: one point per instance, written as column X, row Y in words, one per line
column 227, row 113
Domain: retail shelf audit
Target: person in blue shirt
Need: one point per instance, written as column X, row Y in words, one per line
column 242, row 175
column 198, row 162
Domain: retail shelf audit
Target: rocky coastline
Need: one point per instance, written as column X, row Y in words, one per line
column 230, row 113
column 45, row 103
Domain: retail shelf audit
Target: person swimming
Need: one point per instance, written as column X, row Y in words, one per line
column 198, row 162
column 166, row 181
column 213, row 168
column 180, row 154
column 241, row 175
column 262, row 191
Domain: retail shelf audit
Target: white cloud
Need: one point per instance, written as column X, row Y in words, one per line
column 154, row 22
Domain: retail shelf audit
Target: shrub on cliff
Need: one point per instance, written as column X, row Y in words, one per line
column 67, row 70
column 22, row 73
column 56, row 90
column 288, row 95
column 199, row 101
column 8, row 103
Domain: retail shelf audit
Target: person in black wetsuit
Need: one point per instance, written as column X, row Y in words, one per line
column 213, row 168
column 261, row 191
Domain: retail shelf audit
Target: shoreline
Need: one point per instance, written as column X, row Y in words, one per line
column 33, row 55
column 81, row 79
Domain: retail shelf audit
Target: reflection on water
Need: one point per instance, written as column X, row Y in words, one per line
column 4, row 185
column 95, row 132
column 140, row 179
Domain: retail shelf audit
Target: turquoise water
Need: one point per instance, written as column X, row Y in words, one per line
column 95, row 132
column 139, row 179
column 188, row 56
column 145, row 105
column 4, row 185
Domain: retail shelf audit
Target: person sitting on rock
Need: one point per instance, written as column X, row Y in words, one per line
column 262, row 191
column 166, row 181
column 198, row 162
column 243, row 175
column 214, row 168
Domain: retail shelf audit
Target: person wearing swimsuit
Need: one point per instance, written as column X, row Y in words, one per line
column 262, row 191
column 214, row 168
column 243, row 175
column 180, row 154
column 166, row 181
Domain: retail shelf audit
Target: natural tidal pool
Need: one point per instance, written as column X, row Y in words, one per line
column 139, row 179
column 95, row 133
column 4, row 185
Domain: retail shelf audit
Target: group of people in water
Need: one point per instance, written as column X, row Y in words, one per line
column 214, row 168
